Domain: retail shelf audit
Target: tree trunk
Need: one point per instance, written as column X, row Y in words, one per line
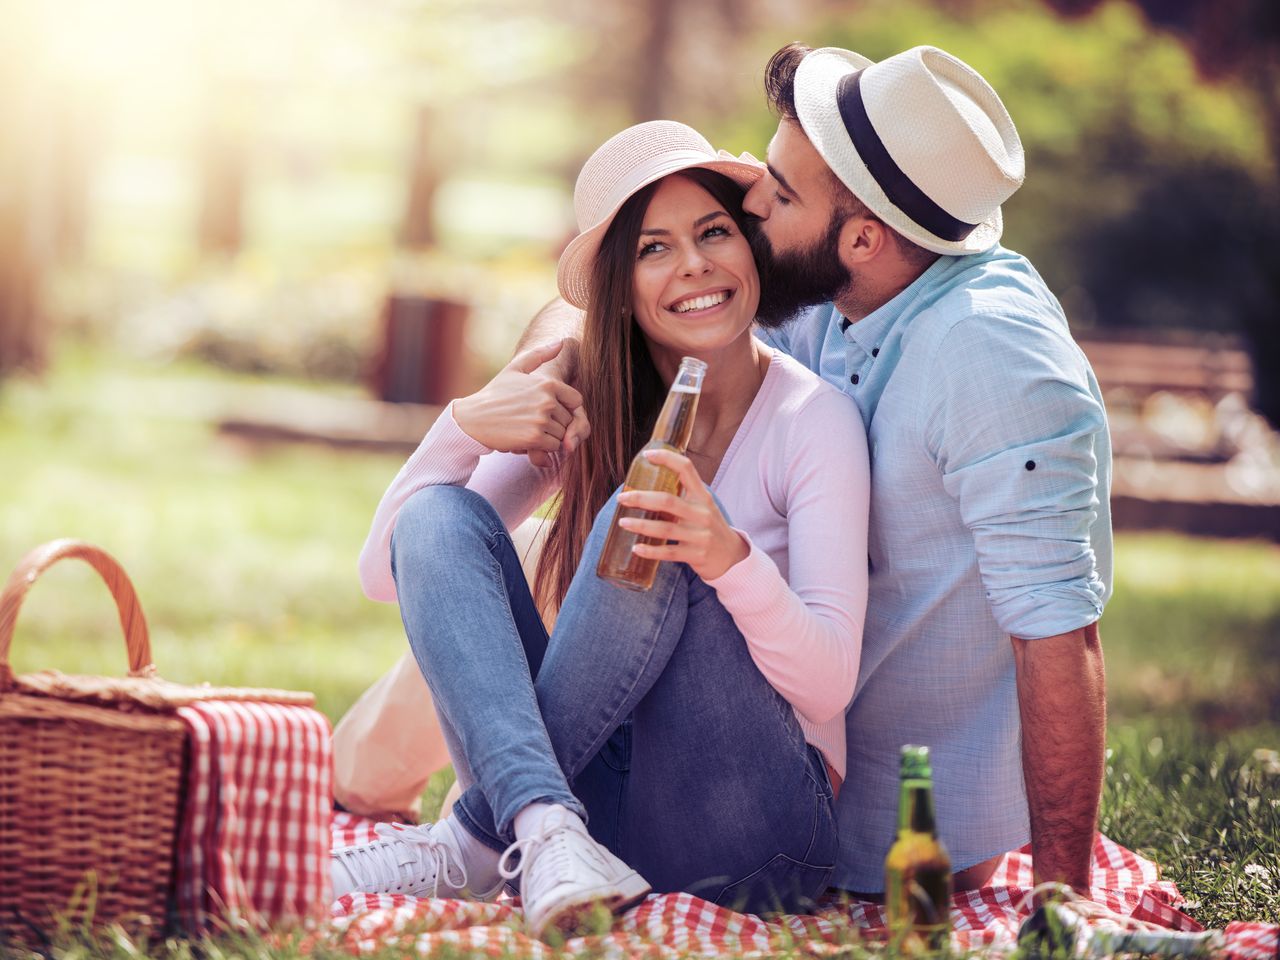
column 224, row 168
column 651, row 80
column 417, row 228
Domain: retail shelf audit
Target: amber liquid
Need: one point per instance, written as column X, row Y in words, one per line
column 675, row 425
column 917, row 877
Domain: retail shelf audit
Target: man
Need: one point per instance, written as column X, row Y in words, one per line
column 990, row 527
column 990, row 541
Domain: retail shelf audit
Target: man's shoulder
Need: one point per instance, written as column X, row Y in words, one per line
column 991, row 297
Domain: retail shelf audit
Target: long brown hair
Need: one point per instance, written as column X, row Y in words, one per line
column 621, row 389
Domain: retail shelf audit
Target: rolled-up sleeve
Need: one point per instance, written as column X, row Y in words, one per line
column 1015, row 429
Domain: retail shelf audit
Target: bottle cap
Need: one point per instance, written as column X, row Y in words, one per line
column 915, row 763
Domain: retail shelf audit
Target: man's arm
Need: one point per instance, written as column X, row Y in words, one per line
column 555, row 321
column 1062, row 702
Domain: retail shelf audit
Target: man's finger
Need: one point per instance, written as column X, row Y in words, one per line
column 567, row 395
column 561, row 415
column 530, row 360
column 578, row 430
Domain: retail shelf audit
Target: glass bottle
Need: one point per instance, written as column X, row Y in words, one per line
column 917, row 871
column 672, row 431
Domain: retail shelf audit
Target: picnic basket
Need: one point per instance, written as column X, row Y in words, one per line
column 91, row 772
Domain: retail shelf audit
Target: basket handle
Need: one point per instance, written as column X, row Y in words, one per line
column 134, row 624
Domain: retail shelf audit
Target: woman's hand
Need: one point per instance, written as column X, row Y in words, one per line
column 521, row 410
column 703, row 538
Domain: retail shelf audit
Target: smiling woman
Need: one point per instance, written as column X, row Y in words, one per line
column 698, row 725
column 695, row 285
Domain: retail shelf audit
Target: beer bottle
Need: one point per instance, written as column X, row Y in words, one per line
column 917, row 871
column 675, row 425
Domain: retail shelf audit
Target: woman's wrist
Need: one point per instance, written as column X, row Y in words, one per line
column 736, row 550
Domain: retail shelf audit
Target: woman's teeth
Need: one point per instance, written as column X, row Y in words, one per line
column 701, row 303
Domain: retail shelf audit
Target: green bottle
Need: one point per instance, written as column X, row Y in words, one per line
column 917, row 871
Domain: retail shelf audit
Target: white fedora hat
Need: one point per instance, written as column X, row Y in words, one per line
column 627, row 161
column 920, row 138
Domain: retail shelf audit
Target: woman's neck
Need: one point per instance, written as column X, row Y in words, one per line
column 733, row 379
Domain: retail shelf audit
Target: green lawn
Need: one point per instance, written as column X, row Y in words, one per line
column 245, row 562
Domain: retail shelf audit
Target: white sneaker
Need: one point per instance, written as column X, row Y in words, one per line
column 566, row 873
column 416, row 861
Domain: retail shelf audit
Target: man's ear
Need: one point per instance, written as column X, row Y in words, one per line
column 862, row 240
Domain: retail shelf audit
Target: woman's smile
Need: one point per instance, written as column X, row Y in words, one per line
column 701, row 304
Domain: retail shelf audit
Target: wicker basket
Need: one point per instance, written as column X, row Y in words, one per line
column 90, row 772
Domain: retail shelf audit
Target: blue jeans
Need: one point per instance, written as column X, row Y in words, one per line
column 643, row 712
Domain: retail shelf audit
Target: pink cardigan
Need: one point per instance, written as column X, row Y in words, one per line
column 795, row 482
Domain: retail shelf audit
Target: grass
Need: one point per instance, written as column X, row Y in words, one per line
column 244, row 559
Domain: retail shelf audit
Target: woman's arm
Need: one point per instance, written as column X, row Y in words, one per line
column 805, row 633
column 447, row 455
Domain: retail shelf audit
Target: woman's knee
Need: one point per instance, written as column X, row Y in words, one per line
column 436, row 516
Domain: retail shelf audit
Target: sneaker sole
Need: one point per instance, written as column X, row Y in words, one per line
column 568, row 916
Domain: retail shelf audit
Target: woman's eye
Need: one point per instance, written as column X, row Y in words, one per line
column 649, row 248
column 716, row 231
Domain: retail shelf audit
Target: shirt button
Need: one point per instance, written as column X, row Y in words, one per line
column 875, row 352
column 1030, row 464
column 854, row 379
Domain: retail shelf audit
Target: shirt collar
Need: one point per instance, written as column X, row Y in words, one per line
column 870, row 331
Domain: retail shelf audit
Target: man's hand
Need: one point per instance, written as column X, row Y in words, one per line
column 558, row 321
column 525, row 409
column 1062, row 702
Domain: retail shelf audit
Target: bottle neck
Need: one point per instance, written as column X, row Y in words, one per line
column 675, row 421
column 915, row 807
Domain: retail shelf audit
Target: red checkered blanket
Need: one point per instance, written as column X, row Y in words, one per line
column 680, row 925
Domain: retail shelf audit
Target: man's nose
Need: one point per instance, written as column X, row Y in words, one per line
column 754, row 202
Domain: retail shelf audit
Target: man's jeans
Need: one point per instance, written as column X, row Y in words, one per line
column 643, row 712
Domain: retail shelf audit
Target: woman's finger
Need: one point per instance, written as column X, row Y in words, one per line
column 683, row 468
column 656, row 501
column 657, row 529
column 678, row 552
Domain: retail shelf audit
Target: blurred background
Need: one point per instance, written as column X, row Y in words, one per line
column 247, row 246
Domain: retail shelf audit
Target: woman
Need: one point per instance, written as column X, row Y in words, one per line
column 698, row 726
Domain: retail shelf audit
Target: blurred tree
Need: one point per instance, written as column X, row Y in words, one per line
column 23, row 252
column 1236, row 235
column 1230, row 39
column 223, row 173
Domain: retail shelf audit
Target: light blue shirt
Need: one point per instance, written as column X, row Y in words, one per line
column 990, row 518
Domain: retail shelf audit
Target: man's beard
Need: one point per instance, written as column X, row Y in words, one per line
column 789, row 282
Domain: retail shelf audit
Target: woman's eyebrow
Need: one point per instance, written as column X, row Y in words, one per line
column 659, row 232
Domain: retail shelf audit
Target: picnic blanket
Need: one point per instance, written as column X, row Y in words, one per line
column 680, row 925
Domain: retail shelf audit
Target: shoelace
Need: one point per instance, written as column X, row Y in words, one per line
column 404, row 845
column 550, row 847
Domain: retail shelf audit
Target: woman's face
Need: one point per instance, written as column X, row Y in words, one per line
column 695, row 288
